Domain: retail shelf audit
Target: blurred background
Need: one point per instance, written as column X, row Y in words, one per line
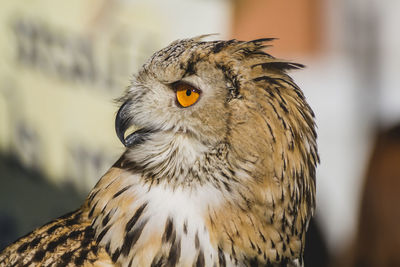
column 63, row 63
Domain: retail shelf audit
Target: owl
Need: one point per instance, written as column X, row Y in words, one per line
column 219, row 168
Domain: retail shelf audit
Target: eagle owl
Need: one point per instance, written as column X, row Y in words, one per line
column 219, row 168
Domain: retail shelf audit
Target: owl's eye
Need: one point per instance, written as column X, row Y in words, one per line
column 186, row 95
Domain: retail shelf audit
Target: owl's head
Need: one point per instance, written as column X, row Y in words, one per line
column 198, row 105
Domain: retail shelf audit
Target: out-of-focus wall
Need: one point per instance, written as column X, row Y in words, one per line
column 64, row 63
column 296, row 25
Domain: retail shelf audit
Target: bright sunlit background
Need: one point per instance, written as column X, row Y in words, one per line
column 64, row 62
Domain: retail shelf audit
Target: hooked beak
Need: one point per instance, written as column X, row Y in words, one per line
column 122, row 123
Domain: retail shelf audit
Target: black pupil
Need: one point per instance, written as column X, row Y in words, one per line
column 188, row 92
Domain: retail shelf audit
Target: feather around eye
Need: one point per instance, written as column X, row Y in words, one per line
column 186, row 94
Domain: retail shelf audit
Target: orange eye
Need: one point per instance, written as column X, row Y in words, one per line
column 186, row 95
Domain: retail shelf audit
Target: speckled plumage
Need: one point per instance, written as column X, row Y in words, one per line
column 228, row 181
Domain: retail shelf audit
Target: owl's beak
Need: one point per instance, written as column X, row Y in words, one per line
column 123, row 122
